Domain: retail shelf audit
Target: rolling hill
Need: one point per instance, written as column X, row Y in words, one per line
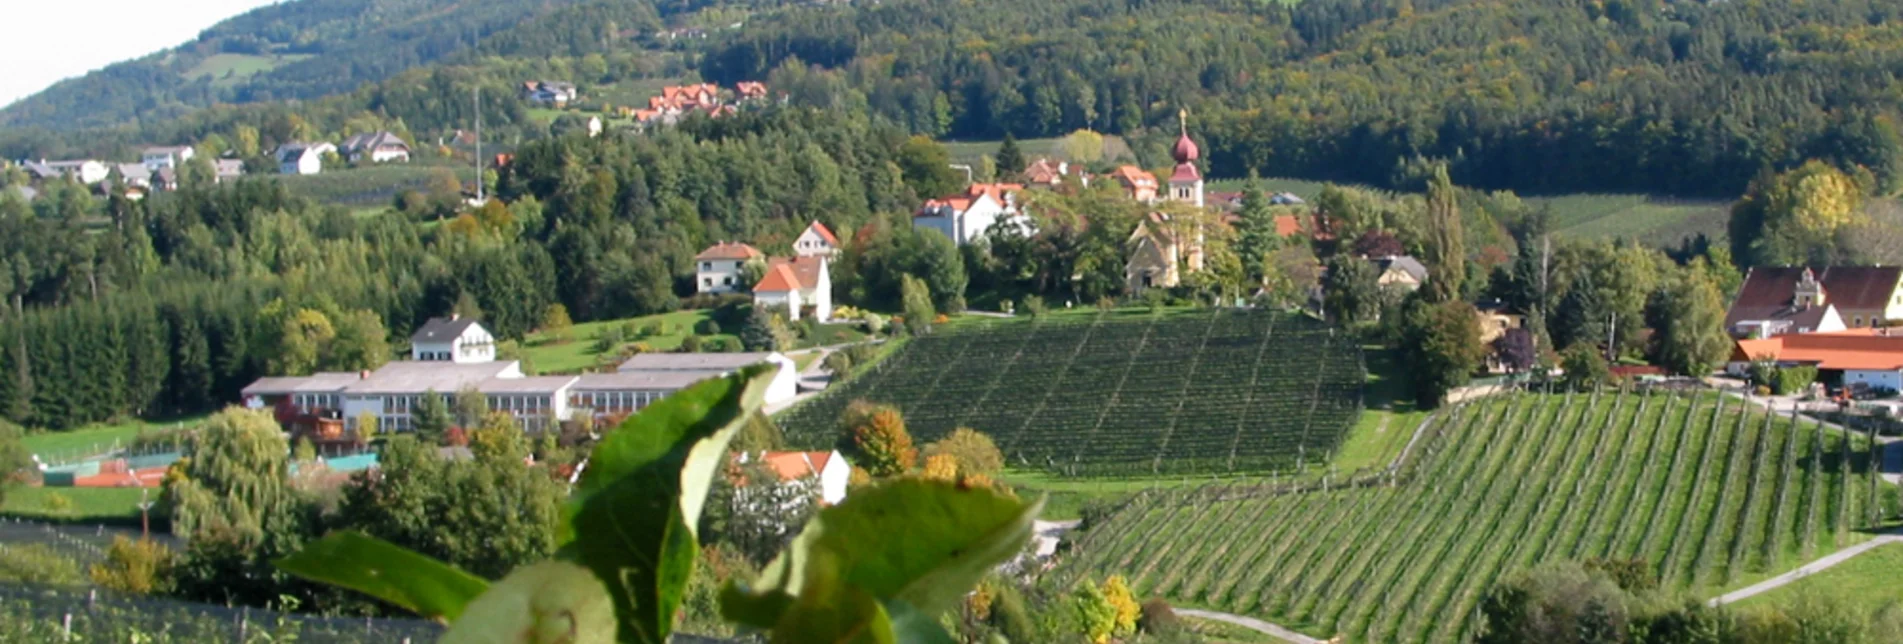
column 1121, row 394
column 1709, row 492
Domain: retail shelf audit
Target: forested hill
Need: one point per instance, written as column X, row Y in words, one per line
column 1536, row 95
column 292, row 50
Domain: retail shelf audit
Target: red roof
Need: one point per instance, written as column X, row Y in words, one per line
column 1859, row 349
column 726, row 250
column 1186, row 173
column 824, row 233
column 792, row 466
column 1769, row 292
column 1185, row 150
column 1133, row 176
column 779, row 278
column 1287, row 225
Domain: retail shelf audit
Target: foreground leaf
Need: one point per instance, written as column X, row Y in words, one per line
column 634, row 515
column 552, row 602
column 921, row 543
column 388, row 572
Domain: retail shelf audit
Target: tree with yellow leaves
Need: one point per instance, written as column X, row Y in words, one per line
column 1117, row 592
column 1794, row 217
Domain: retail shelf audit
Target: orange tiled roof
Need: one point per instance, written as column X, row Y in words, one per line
column 1133, row 176
column 727, row 250
column 1287, row 225
column 792, row 466
column 779, row 278
column 1860, row 349
column 824, row 233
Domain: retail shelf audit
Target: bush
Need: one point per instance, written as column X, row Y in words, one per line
column 839, row 363
column 707, row 327
column 690, row 344
column 1035, row 306
column 1010, row 616
column 607, row 339
column 1159, row 618
column 142, row 567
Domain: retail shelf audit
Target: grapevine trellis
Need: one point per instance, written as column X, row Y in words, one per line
column 1210, row 392
column 1706, row 490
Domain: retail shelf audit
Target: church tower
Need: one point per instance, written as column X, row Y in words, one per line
column 1186, row 183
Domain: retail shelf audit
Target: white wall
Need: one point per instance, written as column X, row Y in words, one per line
column 718, row 276
column 1892, row 380
column 821, row 296
column 388, row 154
column 833, row 479
column 789, row 300
column 786, row 381
column 810, row 243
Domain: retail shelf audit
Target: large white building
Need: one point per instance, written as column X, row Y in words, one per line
column 718, row 269
column 457, row 355
column 967, row 217
column 303, row 158
column 375, row 147
column 171, row 156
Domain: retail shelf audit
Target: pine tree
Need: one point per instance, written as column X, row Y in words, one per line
column 430, row 418
column 1258, row 239
column 1010, row 159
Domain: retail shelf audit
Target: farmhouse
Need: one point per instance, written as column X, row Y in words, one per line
column 551, row 93
column 1867, row 356
column 1045, row 173
column 86, row 171
column 825, row 473
column 227, row 170
column 375, row 147
column 303, row 158
column 452, row 339
column 1797, row 299
column 817, row 239
column 797, row 284
column 1400, row 271
column 969, row 216
column 166, row 156
column 719, row 269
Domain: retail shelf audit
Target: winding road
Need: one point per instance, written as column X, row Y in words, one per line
column 1250, row 623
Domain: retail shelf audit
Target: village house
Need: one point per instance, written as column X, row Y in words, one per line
column 452, row 355
column 1869, row 358
column 817, row 239
column 166, row 156
column 85, row 171
column 1399, row 271
column 375, row 147
column 227, row 170
column 969, row 216
column 796, row 285
column 750, row 90
column 719, row 267
column 675, row 101
column 826, row 474
column 1045, row 173
column 303, row 158
column 551, row 93
column 1776, row 300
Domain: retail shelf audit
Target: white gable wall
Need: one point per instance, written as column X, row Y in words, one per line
column 718, row 275
column 833, row 479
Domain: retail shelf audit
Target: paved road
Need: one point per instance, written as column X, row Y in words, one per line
column 1806, row 570
column 1250, row 623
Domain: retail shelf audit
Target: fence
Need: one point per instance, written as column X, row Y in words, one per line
column 39, row 614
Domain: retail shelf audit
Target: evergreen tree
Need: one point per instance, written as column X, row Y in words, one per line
column 1010, row 160
column 1257, row 238
column 431, row 418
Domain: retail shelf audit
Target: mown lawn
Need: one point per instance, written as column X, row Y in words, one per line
column 1865, row 582
column 552, row 355
column 1388, row 419
column 967, row 152
column 369, row 186
column 75, row 504
column 95, row 438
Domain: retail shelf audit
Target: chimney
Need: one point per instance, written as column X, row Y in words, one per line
column 454, row 316
column 363, row 375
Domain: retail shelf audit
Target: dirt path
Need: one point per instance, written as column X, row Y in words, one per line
column 1805, row 570
column 1250, row 623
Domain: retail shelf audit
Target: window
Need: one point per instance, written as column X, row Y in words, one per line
column 727, row 281
column 1858, row 322
column 706, row 266
column 706, row 281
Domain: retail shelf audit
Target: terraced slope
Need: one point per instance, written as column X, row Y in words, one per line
column 1121, row 395
column 1711, row 492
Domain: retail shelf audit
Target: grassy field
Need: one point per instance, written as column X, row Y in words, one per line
column 371, row 186
column 1712, row 494
column 71, row 504
column 1388, row 418
column 1865, row 583
column 1654, row 221
column 238, row 66
column 967, row 152
column 1125, row 394
column 94, row 439
column 551, row 356
column 1300, row 187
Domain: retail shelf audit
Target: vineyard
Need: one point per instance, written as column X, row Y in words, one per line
column 1121, row 395
column 1712, row 492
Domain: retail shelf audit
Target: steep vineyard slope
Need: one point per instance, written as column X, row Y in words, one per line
column 1210, row 391
column 1710, row 491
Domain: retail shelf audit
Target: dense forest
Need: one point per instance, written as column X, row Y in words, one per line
column 1539, row 96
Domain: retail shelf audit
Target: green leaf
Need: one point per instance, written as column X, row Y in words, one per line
column 634, row 515
column 832, row 612
column 923, row 543
column 913, row 627
column 386, row 571
column 552, row 602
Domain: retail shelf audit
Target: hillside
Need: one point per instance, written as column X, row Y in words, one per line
column 1709, row 497
column 1121, row 394
column 292, row 50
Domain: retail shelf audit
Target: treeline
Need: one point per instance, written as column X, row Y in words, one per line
column 172, row 304
column 1532, row 95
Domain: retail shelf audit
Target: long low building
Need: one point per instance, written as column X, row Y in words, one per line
column 446, row 368
column 1868, row 357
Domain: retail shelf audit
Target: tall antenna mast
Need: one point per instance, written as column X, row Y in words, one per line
column 478, row 106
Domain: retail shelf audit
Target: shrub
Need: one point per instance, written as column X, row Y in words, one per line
column 57, row 503
column 974, row 452
column 1034, row 305
column 1159, row 618
column 1095, row 615
column 1116, row 591
column 876, row 436
column 1010, row 616
column 38, row 564
column 142, row 567
column 1106, row 304
column 607, row 339
column 839, row 363
column 707, row 327
column 690, row 344
column 653, row 328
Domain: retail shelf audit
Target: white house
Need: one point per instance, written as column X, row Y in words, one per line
column 966, row 217
column 228, row 170
column 375, row 147
column 795, row 284
column 303, row 158
column 86, row 171
column 827, row 473
column 594, row 126
column 452, row 339
column 659, row 367
column 817, row 239
column 553, row 93
column 718, row 268
column 171, row 156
